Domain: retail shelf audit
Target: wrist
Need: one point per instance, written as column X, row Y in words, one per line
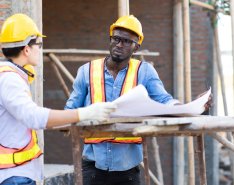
column 78, row 114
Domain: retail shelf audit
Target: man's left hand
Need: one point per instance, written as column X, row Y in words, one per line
column 209, row 103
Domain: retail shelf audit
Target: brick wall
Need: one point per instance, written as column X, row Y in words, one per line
column 201, row 50
column 5, row 11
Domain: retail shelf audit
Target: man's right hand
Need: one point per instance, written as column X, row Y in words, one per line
column 98, row 111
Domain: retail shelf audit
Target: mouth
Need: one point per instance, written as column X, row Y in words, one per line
column 117, row 52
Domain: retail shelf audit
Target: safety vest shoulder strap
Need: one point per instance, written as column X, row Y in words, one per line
column 131, row 78
column 6, row 69
column 10, row 69
column 11, row 157
column 97, row 81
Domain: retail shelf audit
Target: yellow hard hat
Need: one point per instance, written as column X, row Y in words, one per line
column 129, row 22
column 18, row 28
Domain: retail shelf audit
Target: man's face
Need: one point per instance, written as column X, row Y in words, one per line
column 34, row 52
column 122, row 45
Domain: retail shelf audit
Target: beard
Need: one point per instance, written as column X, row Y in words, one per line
column 119, row 58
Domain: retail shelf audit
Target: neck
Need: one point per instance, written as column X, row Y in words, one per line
column 116, row 66
column 19, row 61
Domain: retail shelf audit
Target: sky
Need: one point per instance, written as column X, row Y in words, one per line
column 225, row 41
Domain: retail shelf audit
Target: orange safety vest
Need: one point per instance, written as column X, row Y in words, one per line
column 11, row 157
column 97, row 93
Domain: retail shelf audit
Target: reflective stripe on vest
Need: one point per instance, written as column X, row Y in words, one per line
column 97, row 84
column 11, row 157
column 10, row 69
column 97, row 93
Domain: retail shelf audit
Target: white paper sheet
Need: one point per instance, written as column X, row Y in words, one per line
column 137, row 103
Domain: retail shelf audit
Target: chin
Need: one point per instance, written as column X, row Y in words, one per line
column 116, row 59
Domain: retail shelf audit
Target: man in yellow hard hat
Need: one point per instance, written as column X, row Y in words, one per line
column 115, row 161
column 20, row 116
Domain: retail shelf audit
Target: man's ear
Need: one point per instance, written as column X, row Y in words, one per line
column 137, row 46
column 26, row 50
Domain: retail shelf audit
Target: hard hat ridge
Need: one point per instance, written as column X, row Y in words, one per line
column 129, row 22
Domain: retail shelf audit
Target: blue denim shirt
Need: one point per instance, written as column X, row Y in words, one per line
column 112, row 156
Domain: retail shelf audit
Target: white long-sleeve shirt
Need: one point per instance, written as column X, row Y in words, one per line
column 18, row 114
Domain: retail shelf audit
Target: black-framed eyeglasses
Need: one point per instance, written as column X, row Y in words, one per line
column 124, row 41
column 40, row 44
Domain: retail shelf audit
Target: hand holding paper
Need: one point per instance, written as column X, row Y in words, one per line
column 137, row 103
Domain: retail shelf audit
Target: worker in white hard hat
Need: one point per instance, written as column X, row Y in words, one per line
column 21, row 42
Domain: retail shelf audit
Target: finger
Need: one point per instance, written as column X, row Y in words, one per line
column 110, row 105
column 107, row 110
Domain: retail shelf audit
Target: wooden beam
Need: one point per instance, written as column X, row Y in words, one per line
column 77, row 155
column 94, row 52
column 202, row 4
column 201, row 159
column 157, row 160
column 123, row 7
column 156, row 127
column 146, row 161
column 232, row 28
column 61, row 80
column 219, row 65
column 178, row 86
column 207, row 6
column 61, row 67
column 152, row 176
column 229, row 145
column 188, row 96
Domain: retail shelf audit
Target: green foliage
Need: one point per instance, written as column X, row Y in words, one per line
column 223, row 6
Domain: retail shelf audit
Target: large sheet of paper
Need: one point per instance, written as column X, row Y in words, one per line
column 137, row 103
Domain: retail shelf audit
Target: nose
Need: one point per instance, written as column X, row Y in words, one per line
column 120, row 43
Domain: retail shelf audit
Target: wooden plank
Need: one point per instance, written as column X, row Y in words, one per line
column 173, row 126
column 90, row 51
column 72, row 58
column 122, row 120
